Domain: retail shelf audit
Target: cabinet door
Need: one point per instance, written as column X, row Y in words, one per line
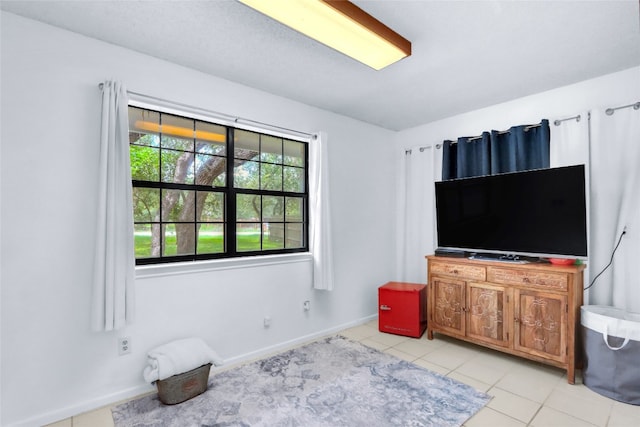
column 448, row 304
column 487, row 308
column 541, row 324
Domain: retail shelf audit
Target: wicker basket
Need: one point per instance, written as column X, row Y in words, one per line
column 181, row 387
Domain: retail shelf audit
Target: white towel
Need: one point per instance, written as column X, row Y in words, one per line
column 178, row 357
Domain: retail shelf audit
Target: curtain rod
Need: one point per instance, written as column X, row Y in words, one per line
column 502, row 132
column 610, row 111
column 558, row 121
column 217, row 114
column 409, row 150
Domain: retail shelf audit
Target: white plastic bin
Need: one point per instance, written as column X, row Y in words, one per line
column 611, row 339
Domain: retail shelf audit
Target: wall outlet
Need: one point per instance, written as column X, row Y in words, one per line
column 124, row 345
column 267, row 321
column 306, row 305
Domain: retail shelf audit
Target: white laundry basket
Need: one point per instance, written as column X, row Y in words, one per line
column 611, row 339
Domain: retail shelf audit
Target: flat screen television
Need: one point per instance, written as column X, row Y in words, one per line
column 539, row 213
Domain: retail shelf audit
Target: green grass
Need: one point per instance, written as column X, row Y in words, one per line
column 207, row 244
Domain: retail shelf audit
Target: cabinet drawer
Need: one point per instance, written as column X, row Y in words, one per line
column 527, row 277
column 459, row 270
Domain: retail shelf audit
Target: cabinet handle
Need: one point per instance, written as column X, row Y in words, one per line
column 385, row 308
column 525, row 280
column 455, row 271
column 515, row 319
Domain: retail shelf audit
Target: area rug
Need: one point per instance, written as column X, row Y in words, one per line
column 330, row 382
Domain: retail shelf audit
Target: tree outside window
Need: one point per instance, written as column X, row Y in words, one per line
column 202, row 190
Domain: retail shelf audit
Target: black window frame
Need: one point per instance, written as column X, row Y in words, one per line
column 230, row 193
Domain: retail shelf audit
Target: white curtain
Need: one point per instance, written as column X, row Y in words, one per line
column 320, row 214
column 569, row 145
column 415, row 231
column 114, row 264
column 615, row 202
column 569, row 141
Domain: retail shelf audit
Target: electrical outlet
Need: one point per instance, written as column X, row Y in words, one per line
column 306, row 305
column 124, row 345
column 267, row 321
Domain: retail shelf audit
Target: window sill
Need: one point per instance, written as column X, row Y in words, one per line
column 172, row 269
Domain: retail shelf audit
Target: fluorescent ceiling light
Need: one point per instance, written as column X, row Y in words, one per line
column 341, row 25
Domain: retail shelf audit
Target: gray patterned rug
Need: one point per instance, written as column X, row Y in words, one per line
column 331, row 382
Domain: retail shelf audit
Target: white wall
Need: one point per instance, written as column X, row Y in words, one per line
column 611, row 90
column 52, row 364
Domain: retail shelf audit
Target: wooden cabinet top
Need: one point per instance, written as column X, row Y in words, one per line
column 541, row 266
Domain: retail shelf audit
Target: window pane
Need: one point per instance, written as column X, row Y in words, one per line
column 211, row 206
column 211, row 170
column 210, row 138
column 294, row 209
column 271, row 149
column 168, row 240
column 177, row 132
column 246, row 175
column 272, row 208
column 271, row 177
column 178, row 205
column 149, row 140
column 210, row 238
column 205, row 147
column 177, row 167
column 248, row 237
column 145, row 163
column 294, row 153
column 146, row 204
column 144, row 126
column 248, row 208
column 182, row 185
column 294, row 179
column 179, row 239
column 247, row 144
column 273, row 235
column 294, row 236
column 142, row 240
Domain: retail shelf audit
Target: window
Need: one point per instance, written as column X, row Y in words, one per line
column 203, row 190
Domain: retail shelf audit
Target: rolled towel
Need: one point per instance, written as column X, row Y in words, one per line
column 178, row 357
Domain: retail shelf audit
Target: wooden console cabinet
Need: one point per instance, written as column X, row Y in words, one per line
column 529, row 310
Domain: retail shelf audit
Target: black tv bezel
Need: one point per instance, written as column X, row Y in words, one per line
column 514, row 254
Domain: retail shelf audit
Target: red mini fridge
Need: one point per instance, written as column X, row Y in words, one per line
column 402, row 308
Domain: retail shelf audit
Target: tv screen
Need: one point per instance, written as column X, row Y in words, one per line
column 535, row 213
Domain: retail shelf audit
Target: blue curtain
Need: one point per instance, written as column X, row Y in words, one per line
column 520, row 148
column 449, row 159
column 474, row 156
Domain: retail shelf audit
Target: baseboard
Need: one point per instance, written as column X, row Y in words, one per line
column 258, row 354
column 129, row 393
column 82, row 407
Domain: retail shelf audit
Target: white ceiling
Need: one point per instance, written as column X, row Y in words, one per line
column 466, row 54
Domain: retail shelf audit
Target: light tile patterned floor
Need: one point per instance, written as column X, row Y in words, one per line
column 524, row 393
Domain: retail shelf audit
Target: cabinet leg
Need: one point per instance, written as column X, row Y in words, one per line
column 571, row 367
column 571, row 375
column 429, row 334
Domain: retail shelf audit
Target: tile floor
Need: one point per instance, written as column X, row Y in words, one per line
column 524, row 393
